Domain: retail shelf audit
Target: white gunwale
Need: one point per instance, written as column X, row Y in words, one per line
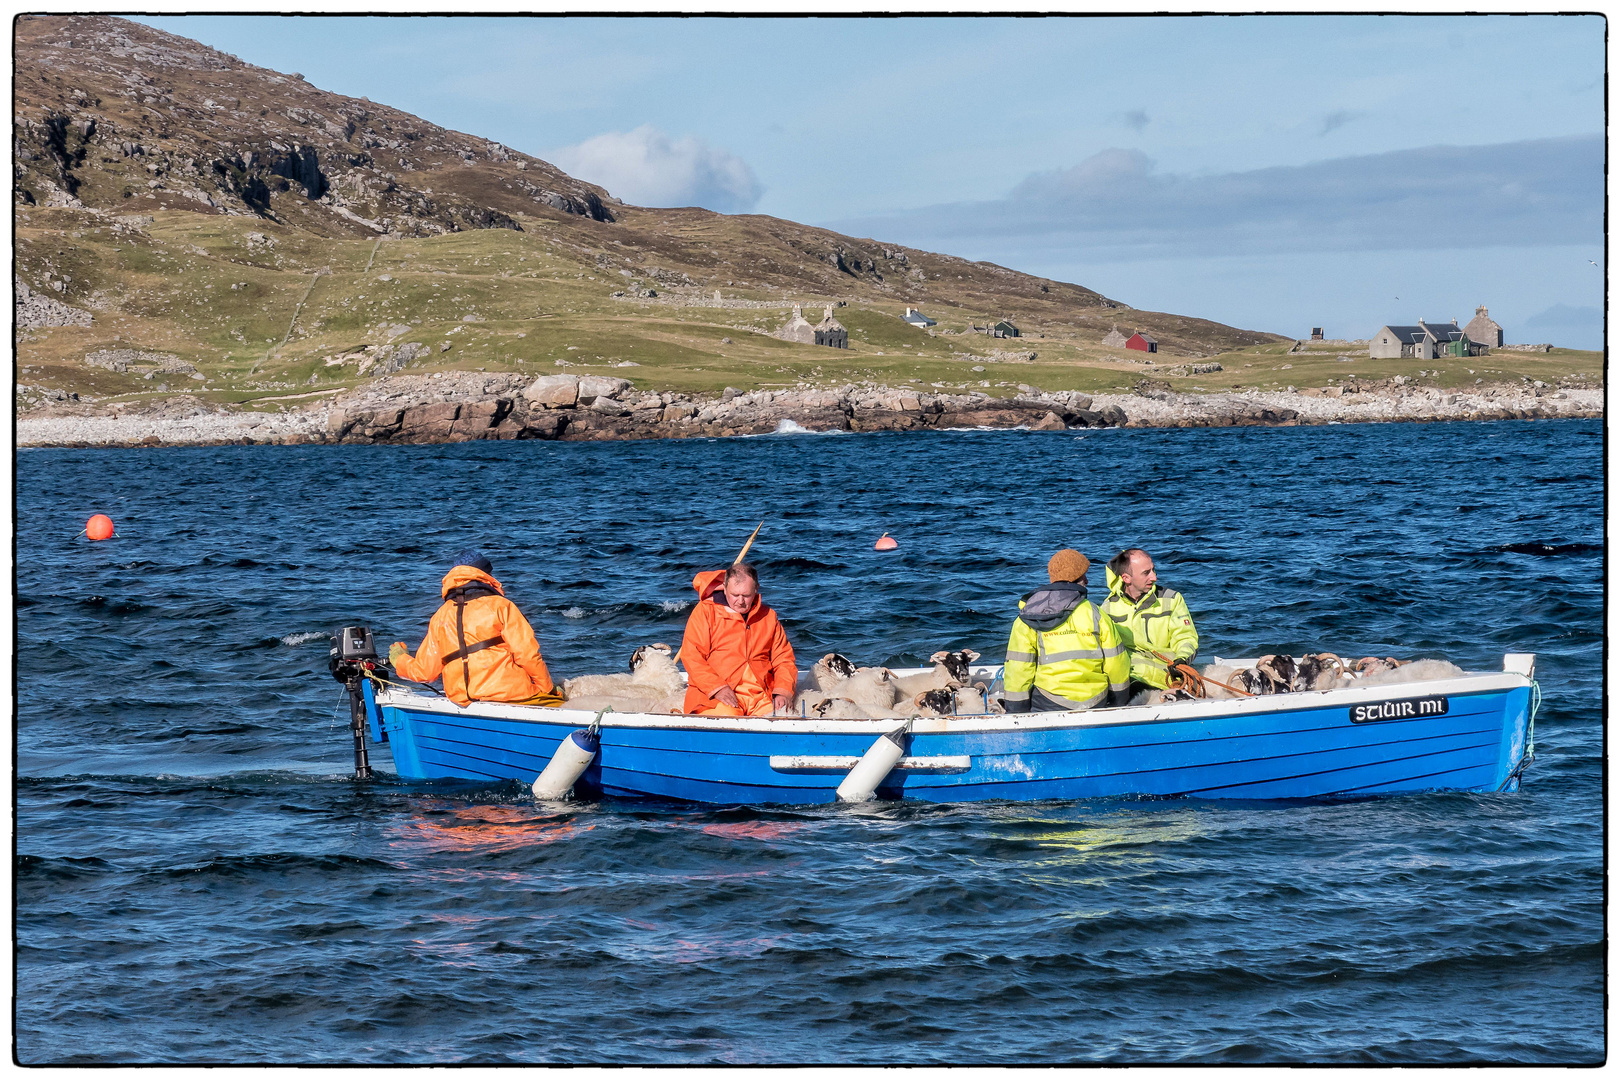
column 1176, row 712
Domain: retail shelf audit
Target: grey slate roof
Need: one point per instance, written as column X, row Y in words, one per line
column 1443, row 331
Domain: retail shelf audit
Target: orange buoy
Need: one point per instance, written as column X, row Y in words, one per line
column 886, row 543
column 99, row 527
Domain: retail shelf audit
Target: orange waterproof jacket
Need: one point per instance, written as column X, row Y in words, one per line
column 501, row 661
column 721, row 646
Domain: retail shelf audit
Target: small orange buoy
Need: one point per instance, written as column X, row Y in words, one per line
column 886, row 543
column 99, row 527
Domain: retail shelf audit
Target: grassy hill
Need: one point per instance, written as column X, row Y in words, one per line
column 239, row 234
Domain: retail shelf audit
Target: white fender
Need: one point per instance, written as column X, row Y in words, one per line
column 861, row 782
column 574, row 755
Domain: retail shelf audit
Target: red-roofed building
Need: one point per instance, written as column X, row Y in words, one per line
column 1141, row 342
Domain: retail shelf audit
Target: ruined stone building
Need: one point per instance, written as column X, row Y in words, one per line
column 796, row 329
column 1114, row 339
column 831, row 332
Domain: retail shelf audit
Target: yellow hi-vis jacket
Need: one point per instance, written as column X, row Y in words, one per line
column 1063, row 654
column 1158, row 621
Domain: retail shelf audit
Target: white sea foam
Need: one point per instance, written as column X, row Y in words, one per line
column 299, row 639
column 574, row 613
column 674, row 605
column 793, row 427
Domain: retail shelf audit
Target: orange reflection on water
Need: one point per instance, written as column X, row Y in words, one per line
column 478, row 828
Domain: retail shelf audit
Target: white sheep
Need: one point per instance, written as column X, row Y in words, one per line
column 950, row 670
column 1415, row 671
column 828, row 672
column 653, row 684
column 871, row 689
column 951, row 701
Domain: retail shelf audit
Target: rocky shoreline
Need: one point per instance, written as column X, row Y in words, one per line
column 466, row 406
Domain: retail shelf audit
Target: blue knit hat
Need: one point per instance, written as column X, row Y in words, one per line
column 474, row 558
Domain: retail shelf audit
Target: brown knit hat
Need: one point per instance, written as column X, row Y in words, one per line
column 1067, row 565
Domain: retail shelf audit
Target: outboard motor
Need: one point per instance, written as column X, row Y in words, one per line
column 353, row 654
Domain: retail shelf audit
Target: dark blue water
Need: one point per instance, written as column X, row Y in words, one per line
column 199, row 880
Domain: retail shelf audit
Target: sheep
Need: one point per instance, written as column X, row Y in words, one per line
column 1276, row 673
column 1409, row 672
column 950, row 670
column 1281, row 674
column 1320, row 671
column 871, row 689
column 653, row 685
column 1246, row 680
column 829, row 671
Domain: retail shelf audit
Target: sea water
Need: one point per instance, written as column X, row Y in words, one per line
column 199, row 878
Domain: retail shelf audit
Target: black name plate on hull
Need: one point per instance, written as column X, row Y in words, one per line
column 1404, row 709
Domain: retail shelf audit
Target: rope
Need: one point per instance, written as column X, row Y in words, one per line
column 379, row 680
column 1191, row 679
column 1529, row 738
column 1530, row 735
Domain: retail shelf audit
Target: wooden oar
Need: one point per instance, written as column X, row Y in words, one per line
column 676, row 658
column 750, row 543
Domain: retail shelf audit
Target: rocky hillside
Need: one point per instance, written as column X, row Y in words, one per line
column 245, row 230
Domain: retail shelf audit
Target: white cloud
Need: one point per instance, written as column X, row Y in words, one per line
column 648, row 168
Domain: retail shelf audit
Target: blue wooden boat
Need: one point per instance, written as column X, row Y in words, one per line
column 1472, row 732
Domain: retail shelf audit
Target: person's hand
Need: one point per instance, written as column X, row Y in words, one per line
column 395, row 652
column 1178, row 661
column 780, row 702
column 726, row 696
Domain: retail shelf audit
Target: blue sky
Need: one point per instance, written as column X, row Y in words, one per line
column 1270, row 172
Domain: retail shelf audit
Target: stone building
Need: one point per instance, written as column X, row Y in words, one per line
column 918, row 319
column 1114, row 339
column 831, row 332
column 1425, row 341
column 1484, row 329
column 797, row 329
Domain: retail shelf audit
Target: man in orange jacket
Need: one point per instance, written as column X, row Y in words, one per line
column 738, row 660
column 480, row 641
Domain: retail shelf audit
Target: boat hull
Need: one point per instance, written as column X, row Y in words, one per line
column 1465, row 734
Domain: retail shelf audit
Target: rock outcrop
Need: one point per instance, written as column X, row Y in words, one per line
column 467, row 406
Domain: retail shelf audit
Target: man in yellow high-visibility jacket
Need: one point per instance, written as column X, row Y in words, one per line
column 1062, row 654
column 1151, row 619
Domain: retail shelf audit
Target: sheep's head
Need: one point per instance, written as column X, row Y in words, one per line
column 1251, row 681
column 639, row 657
column 838, row 665
column 955, row 663
column 1318, row 670
column 935, row 701
column 1280, row 670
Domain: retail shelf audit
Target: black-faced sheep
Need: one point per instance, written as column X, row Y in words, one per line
column 950, row 670
column 867, row 692
column 1320, row 671
column 951, row 701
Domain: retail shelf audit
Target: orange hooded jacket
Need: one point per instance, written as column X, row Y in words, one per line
column 720, row 646
column 505, row 663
